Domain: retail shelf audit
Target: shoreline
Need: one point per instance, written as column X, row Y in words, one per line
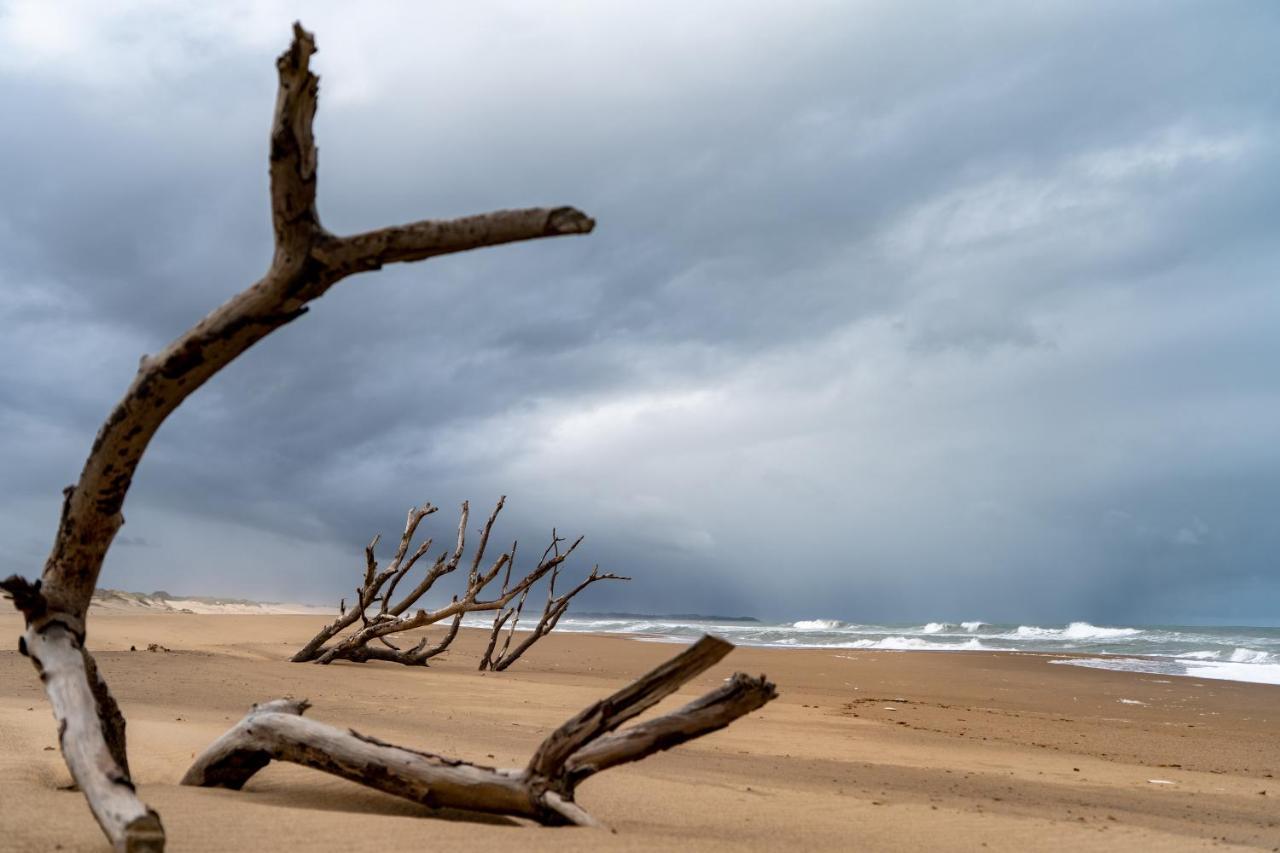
column 1156, row 664
column 872, row 749
column 1070, row 658
column 1246, row 654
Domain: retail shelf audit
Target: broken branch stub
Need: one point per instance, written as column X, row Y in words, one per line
column 542, row 791
column 307, row 261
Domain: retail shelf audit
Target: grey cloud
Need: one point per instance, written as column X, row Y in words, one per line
column 884, row 312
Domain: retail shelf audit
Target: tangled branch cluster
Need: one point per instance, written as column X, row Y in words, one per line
column 381, row 615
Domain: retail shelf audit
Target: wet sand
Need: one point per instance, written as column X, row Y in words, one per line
column 863, row 750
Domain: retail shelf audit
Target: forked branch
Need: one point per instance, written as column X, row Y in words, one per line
column 555, row 607
column 307, row 261
column 543, row 791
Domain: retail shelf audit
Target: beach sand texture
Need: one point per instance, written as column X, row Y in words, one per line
column 862, row 751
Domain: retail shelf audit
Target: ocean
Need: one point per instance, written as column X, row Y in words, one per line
column 1234, row 653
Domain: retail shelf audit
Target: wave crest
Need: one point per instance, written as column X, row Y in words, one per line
column 1074, row 631
column 903, row 644
column 1252, row 656
column 947, row 627
column 817, row 624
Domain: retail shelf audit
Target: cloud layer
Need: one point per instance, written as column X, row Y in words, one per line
column 889, row 315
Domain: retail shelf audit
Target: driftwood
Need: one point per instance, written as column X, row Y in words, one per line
column 382, row 616
column 551, row 611
column 542, row 791
column 308, row 260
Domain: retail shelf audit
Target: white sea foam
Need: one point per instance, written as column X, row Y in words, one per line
column 1237, row 655
column 1252, row 656
column 903, row 644
column 1259, row 673
column 1074, row 631
column 817, row 624
column 1243, row 654
column 951, row 627
column 896, row 643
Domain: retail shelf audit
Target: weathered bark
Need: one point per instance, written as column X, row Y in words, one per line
column 375, row 596
column 90, row 725
column 739, row 696
column 629, row 702
column 543, row 791
column 308, row 260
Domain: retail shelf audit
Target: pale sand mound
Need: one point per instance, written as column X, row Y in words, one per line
column 868, row 751
column 115, row 599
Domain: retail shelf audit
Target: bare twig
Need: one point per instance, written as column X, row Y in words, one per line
column 551, row 613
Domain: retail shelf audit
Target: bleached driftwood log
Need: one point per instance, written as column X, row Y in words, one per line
column 542, row 791
column 380, row 615
column 308, row 260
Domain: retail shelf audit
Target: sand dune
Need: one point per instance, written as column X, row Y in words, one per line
column 867, row 750
column 115, row 599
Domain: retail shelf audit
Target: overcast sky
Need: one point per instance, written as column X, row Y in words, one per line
column 894, row 311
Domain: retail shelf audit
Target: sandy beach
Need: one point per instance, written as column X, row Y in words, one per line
column 863, row 750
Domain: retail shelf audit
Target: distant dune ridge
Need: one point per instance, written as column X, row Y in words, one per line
column 161, row 601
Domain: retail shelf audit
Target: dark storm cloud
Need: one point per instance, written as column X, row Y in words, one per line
column 893, row 311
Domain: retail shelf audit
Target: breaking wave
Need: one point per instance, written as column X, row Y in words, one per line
column 817, row 625
column 1242, row 654
column 1074, row 631
column 921, row 644
column 952, row 627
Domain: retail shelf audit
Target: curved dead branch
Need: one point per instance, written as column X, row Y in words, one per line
column 542, row 791
column 308, row 260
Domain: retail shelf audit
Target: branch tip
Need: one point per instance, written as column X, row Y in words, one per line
column 301, row 49
column 569, row 220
